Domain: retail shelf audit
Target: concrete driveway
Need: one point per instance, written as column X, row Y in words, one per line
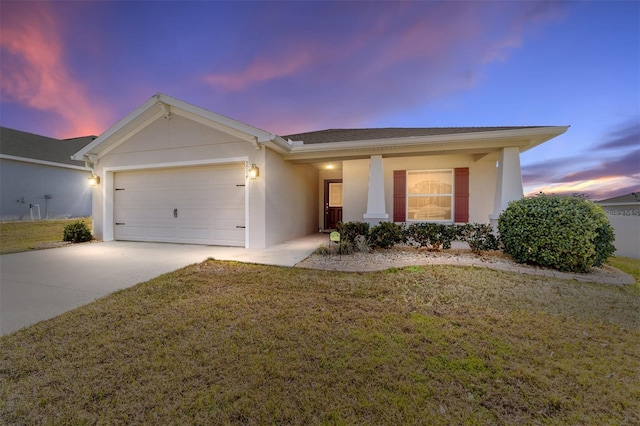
column 42, row 284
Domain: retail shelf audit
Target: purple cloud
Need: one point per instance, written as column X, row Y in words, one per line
column 367, row 61
column 623, row 166
column 627, row 136
column 35, row 74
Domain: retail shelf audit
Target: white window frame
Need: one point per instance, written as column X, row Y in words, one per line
column 451, row 195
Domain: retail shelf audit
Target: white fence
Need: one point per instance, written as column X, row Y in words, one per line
column 627, row 230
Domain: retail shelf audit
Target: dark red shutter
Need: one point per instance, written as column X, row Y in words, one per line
column 399, row 196
column 461, row 185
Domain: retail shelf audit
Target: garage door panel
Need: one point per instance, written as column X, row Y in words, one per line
column 152, row 198
column 215, row 193
column 230, row 216
column 141, row 215
column 129, row 197
column 131, row 232
column 210, row 203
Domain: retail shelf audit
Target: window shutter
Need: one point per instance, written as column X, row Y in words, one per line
column 399, row 196
column 461, row 185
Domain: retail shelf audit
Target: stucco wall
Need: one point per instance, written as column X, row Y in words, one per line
column 178, row 142
column 355, row 184
column 291, row 199
column 26, row 183
column 482, row 181
column 482, row 187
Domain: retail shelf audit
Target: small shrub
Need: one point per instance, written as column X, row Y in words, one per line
column 322, row 250
column 479, row 236
column 433, row 236
column 350, row 231
column 386, row 234
column 344, row 247
column 77, row 232
column 362, row 244
column 567, row 233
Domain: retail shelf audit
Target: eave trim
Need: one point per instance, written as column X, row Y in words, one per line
column 43, row 162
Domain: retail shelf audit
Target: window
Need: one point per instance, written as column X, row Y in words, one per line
column 335, row 195
column 429, row 195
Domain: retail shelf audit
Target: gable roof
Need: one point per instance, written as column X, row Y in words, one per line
column 161, row 105
column 29, row 147
column 329, row 144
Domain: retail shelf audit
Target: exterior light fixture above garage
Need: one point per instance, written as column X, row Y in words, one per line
column 94, row 180
column 253, row 172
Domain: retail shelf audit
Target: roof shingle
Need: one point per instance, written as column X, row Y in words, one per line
column 28, row 145
column 344, row 135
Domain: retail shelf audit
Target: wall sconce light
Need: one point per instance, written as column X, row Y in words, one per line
column 94, row 180
column 253, row 172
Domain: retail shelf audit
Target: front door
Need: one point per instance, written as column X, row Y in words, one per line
column 332, row 203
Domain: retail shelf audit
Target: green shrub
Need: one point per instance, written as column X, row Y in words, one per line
column 77, row 232
column 362, row 244
column 433, row 236
column 351, row 230
column 386, row 234
column 479, row 236
column 567, row 233
column 344, row 247
column 322, row 250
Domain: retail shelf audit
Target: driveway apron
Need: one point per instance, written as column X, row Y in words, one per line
column 42, row 284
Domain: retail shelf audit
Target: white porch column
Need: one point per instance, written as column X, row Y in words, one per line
column 376, row 210
column 508, row 182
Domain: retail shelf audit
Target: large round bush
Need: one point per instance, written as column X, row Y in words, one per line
column 568, row 233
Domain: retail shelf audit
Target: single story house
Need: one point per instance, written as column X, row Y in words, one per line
column 174, row 172
column 38, row 178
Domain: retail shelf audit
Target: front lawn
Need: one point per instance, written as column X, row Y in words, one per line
column 27, row 235
column 231, row 343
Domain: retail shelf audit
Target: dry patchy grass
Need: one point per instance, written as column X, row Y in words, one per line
column 23, row 236
column 229, row 343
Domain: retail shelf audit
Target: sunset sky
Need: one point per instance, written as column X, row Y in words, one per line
column 75, row 68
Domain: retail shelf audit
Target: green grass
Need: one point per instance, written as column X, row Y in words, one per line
column 23, row 236
column 626, row 264
column 230, row 343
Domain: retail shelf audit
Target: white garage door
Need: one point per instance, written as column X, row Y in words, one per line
column 195, row 205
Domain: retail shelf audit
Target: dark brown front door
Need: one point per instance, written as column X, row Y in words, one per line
column 332, row 203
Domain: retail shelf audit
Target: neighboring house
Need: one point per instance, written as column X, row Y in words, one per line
column 624, row 216
column 38, row 178
column 173, row 172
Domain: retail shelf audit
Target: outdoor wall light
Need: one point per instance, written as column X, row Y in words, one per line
column 94, row 180
column 253, row 172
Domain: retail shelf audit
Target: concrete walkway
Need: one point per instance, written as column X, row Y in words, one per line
column 42, row 284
